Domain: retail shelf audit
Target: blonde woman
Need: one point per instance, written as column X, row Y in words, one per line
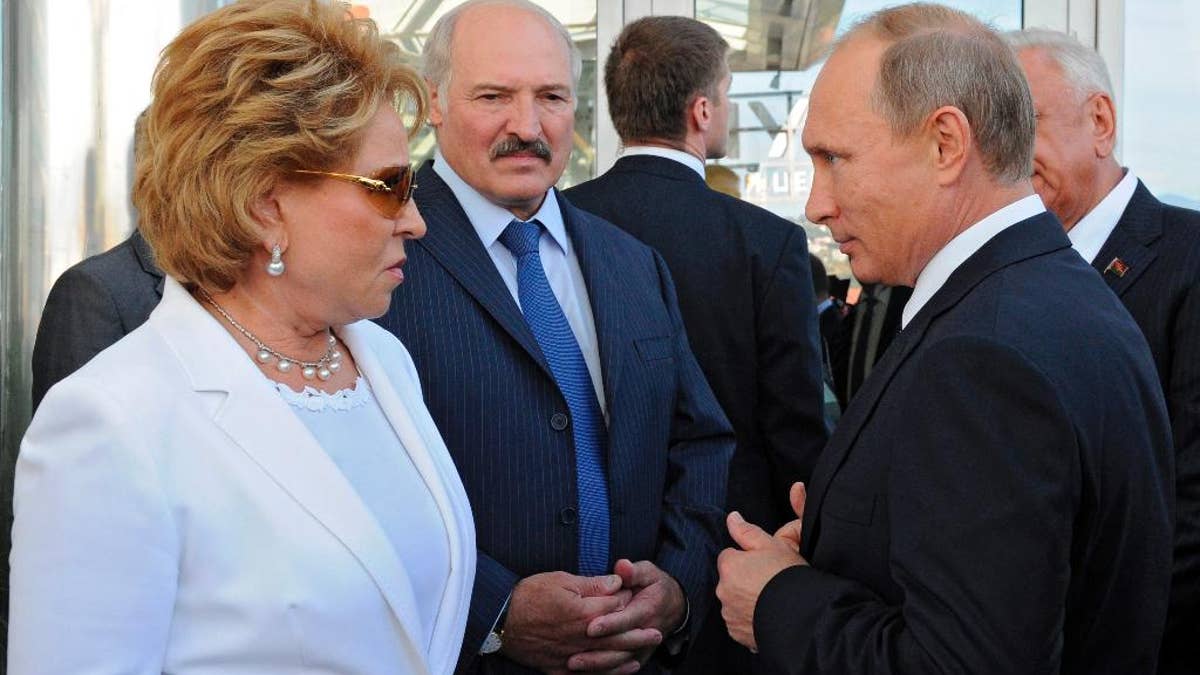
column 250, row 482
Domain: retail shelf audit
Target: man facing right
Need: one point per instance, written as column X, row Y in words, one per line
column 997, row 498
column 1148, row 254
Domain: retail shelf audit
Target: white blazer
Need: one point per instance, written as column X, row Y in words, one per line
column 172, row 515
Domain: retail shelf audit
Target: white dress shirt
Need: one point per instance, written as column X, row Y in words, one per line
column 963, row 246
column 687, row 159
column 558, row 260
column 1090, row 233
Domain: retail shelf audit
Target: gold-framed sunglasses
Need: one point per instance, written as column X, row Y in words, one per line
column 388, row 191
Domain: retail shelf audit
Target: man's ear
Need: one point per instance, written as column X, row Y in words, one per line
column 1103, row 115
column 950, row 142
column 700, row 113
column 435, row 104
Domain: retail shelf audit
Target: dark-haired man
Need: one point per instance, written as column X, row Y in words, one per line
column 742, row 273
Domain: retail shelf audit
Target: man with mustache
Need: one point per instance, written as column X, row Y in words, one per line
column 555, row 363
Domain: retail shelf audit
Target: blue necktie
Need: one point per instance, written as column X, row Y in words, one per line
column 549, row 325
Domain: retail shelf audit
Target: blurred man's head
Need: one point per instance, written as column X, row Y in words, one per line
column 668, row 83
column 919, row 125
column 502, row 76
column 1073, row 162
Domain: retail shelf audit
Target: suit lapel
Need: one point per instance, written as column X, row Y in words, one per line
column 451, row 240
column 257, row 419
column 1031, row 237
column 603, row 286
column 1129, row 247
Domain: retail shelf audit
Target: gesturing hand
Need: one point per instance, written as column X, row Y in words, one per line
column 743, row 574
column 549, row 614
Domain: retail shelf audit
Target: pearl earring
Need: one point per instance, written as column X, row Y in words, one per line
column 275, row 267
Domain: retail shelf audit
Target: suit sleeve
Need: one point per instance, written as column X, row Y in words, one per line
column 791, row 391
column 85, row 483
column 493, row 584
column 80, row 320
column 979, row 529
column 1183, row 401
column 701, row 446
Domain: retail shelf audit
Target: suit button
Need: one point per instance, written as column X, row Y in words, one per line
column 567, row 516
column 558, row 421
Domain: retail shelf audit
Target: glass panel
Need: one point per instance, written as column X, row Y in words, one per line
column 409, row 21
column 778, row 47
column 1162, row 93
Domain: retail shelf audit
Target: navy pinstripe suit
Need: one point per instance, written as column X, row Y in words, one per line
column 1160, row 246
column 494, row 400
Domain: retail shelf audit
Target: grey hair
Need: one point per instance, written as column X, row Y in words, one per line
column 939, row 56
column 435, row 56
column 1081, row 66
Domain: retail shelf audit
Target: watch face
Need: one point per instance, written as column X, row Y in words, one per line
column 491, row 644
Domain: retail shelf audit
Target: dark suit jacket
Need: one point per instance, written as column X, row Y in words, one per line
column 842, row 347
column 1160, row 245
column 997, row 497
column 745, row 292
column 493, row 398
column 91, row 306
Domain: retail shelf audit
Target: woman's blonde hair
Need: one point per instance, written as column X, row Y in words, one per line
column 241, row 97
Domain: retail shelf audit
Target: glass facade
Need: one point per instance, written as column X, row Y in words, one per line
column 1157, row 117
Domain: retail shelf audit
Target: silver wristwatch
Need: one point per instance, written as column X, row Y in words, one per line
column 495, row 637
column 493, row 642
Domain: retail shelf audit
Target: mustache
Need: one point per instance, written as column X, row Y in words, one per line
column 514, row 145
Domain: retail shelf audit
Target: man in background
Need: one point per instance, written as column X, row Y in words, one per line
column 742, row 273
column 865, row 333
column 95, row 303
column 1149, row 255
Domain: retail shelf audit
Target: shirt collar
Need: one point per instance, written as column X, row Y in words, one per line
column 687, row 159
column 1090, row 233
column 490, row 219
column 963, row 246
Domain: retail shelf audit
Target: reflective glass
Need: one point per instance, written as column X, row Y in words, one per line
column 777, row 51
column 1159, row 141
column 408, row 22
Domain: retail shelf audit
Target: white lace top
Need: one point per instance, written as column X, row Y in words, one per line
column 353, row 430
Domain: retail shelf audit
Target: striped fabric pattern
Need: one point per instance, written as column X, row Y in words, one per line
column 494, row 397
column 545, row 317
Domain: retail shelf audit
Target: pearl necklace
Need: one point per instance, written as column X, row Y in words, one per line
column 322, row 368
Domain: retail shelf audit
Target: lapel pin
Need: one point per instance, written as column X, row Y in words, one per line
column 1117, row 267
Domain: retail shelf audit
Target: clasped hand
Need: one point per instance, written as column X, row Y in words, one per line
column 560, row 622
column 744, row 573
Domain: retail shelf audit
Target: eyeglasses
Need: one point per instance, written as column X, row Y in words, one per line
column 388, row 192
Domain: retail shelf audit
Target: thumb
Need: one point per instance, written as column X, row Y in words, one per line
column 798, row 495
column 590, row 587
column 747, row 535
column 790, row 533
